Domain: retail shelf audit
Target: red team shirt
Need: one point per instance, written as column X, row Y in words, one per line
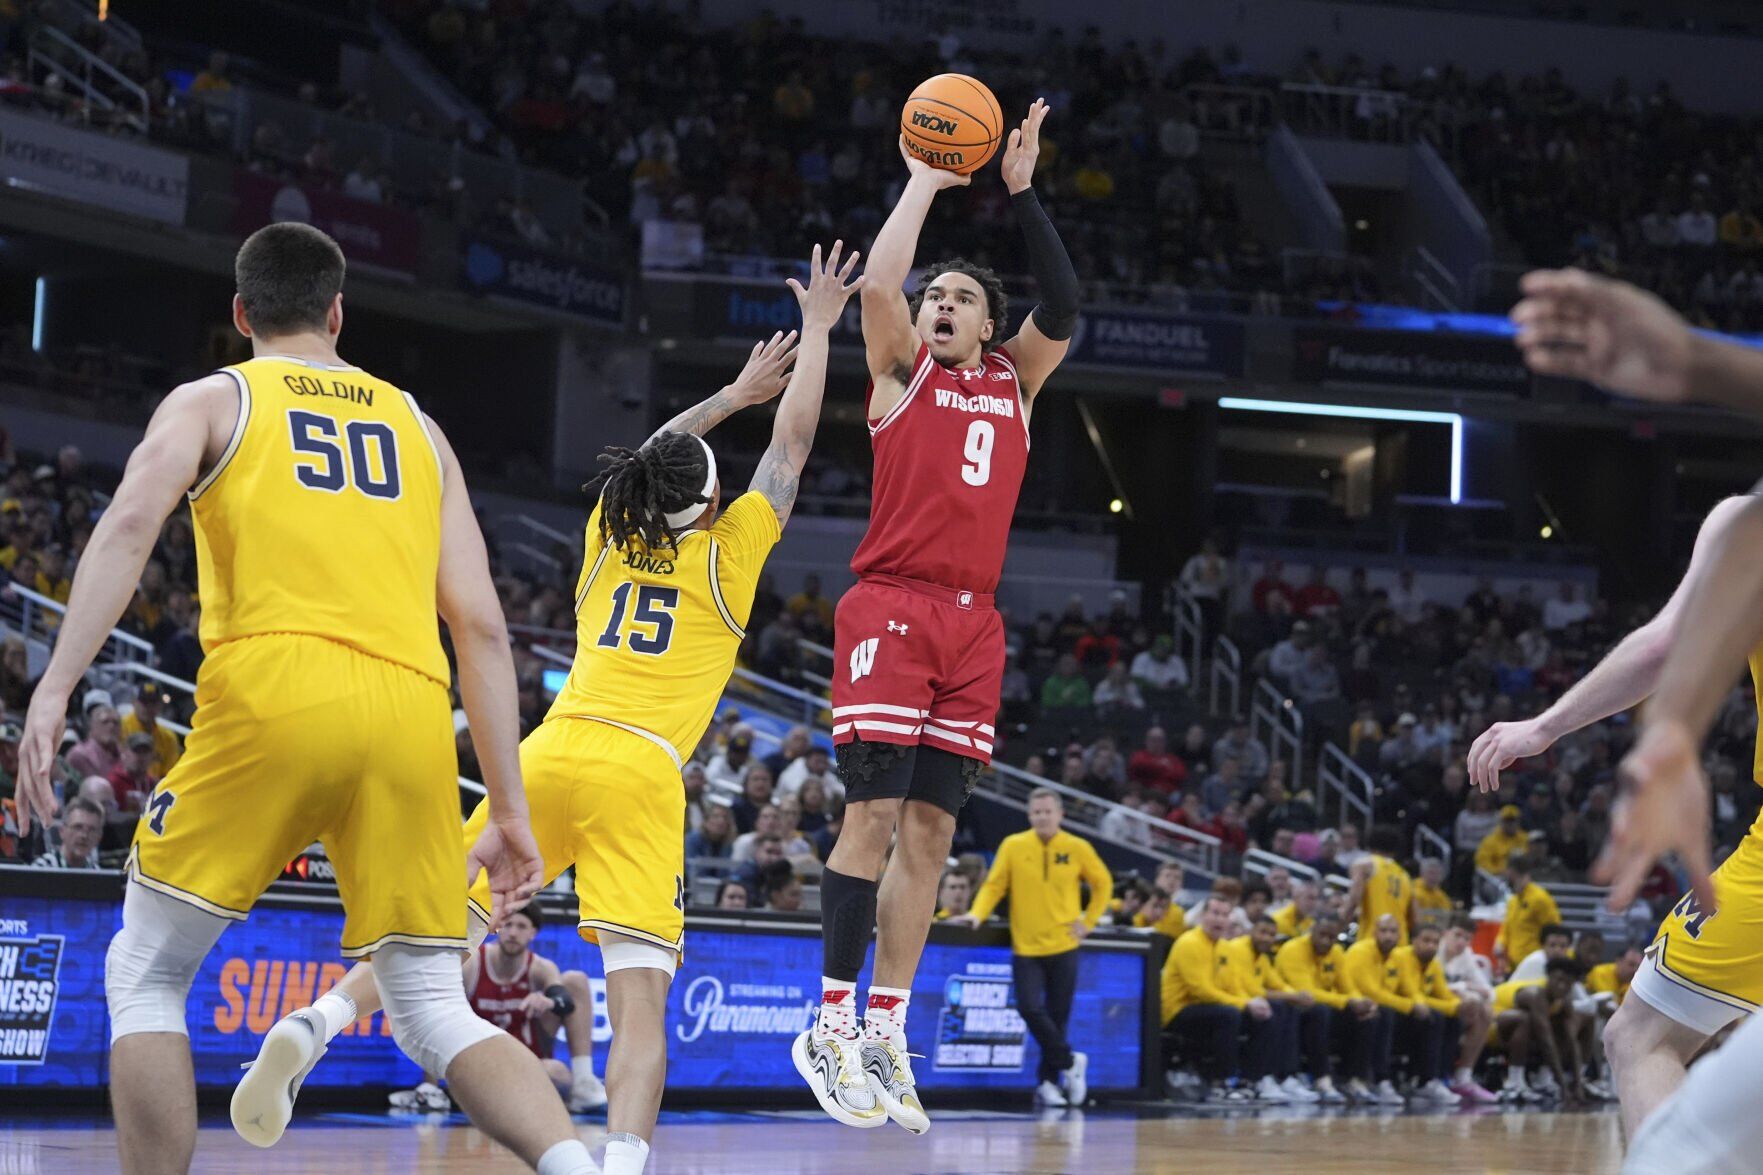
column 919, row 649
column 949, row 461
column 503, row 1004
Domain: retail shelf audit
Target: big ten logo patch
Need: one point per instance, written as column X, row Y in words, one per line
column 30, row 981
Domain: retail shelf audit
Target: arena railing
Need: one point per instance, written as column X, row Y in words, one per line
column 1190, row 633
column 1227, row 672
column 1271, row 711
column 111, row 675
column 36, row 617
column 1583, row 907
column 1350, row 784
column 1238, row 113
column 51, row 53
column 815, row 655
column 1260, row 862
column 1428, row 843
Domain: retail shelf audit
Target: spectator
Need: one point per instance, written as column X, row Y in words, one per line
column 1251, row 755
column 131, row 780
column 1351, row 854
column 1153, row 766
column 780, row 649
column 756, row 793
column 144, row 719
column 796, row 846
column 1066, row 690
column 1288, row 655
column 783, row 892
column 828, row 836
column 1472, row 827
column 1271, row 595
column 816, row 764
column 1228, row 827
column 768, row 822
column 1206, row 577
column 1158, row 671
column 1123, row 824
column 1529, row 910
column 1316, row 681
column 793, row 101
column 1221, row 787
column 1407, row 600
column 15, row 675
column 1566, row 608
column 810, row 607
column 213, row 79
column 100, row 752
column 1433, row 903
column 1467, row 972
column 1328, row 848
column 1195, row 751
column 790, row 748
column 363, row 182
column 716, row 839
column 81, row 826
column 1202, row 1006
column 731, row 895
column 728, row 771
column 815, row 804
column 1506, row 839
column 1117, row 696
column 768, row 853
column 1299, row 915
column 1404, row 748
column 954, row 895
column 1318, row 600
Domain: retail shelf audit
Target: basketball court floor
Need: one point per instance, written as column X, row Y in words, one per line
column 1123, row 1140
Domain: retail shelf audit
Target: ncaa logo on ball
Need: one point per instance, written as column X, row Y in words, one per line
column 934, row 124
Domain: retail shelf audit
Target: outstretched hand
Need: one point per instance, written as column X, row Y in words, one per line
column 1500, row 746
column 939, row 177
column 1024, row 149
column 507, row 852
column 1581, row 326
column 767, row 372
column 1663, row 809
column 43, row 724
column 824, row 298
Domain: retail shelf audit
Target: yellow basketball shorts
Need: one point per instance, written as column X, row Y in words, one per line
column 611, row 803
column 299, row 739
column 1705, row 968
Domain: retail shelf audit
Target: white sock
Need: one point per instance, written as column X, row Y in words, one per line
column 337, row 1010
column 885, row 1018
column 1514, row 1077
column 838, row 1010
column 625, row 1154
column 1462, row 1076
column 581, row 1069
column 568, row 1157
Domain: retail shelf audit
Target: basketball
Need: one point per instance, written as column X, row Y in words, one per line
column 951, row 121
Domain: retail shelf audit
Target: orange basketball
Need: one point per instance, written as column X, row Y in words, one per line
column 952, row 122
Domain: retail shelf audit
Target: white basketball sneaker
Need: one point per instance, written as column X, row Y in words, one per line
column 888, row 1066
column 426, row 1098
column 832, row 1065
column 586, row 1093
column 263, row 1103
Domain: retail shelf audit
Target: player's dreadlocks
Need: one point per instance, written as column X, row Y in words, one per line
column 997, row 301
column 640, row 487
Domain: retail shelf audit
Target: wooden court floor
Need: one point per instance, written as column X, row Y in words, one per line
column 1270, row 1142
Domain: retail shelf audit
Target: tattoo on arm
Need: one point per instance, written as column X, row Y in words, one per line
column 779, row 476
column 703, row 416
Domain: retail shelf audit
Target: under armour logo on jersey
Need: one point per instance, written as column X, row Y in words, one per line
column 863, row 658
column 899, row 628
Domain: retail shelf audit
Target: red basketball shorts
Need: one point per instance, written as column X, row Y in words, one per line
column 917, row 664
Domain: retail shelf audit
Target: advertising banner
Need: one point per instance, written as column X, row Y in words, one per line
column 572, row 285
column 1415, row 359
column 370, row 234
column 739, row 1000
column 1188, row 344
column 93, row 169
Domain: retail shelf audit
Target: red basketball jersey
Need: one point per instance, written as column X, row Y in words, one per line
column 949, row 460
column 504, row 1004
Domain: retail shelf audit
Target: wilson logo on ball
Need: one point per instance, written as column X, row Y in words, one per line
column 934, row 124
column 951, row 160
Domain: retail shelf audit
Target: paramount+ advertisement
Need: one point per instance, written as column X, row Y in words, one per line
column 736, row 1005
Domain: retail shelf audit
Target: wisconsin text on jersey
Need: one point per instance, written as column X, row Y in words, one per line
column 993, row 405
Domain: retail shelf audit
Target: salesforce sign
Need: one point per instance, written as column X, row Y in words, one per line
column 571, row 285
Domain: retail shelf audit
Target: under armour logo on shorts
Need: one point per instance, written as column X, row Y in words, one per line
column 863, row 658
column 899, row 628
column 964, row 600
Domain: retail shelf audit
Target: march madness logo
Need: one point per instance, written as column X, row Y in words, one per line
column 30, row 970
column 980, row 1028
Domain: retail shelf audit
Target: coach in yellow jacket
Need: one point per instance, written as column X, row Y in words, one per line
column 1040, row 871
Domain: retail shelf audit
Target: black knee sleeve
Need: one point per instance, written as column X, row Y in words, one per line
column 944, row 778
column 847, row 920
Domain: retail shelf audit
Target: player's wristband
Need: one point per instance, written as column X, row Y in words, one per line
column 561, row 1001
column 1056, row 316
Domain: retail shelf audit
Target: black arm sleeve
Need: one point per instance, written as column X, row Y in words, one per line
column 1056, row 316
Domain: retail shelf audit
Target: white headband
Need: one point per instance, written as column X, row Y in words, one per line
column 679, row 518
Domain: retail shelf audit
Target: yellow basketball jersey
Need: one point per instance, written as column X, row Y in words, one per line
column 323, row 515
column 1757, row 688
column 1388, row 891
column 657, row 630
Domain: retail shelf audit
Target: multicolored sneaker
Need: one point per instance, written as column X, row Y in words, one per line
column 832, row 1065
column 889, row 1068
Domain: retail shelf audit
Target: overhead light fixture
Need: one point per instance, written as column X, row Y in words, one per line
column 1361, row 412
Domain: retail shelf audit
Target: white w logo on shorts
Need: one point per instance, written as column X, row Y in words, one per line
column 863, row 658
